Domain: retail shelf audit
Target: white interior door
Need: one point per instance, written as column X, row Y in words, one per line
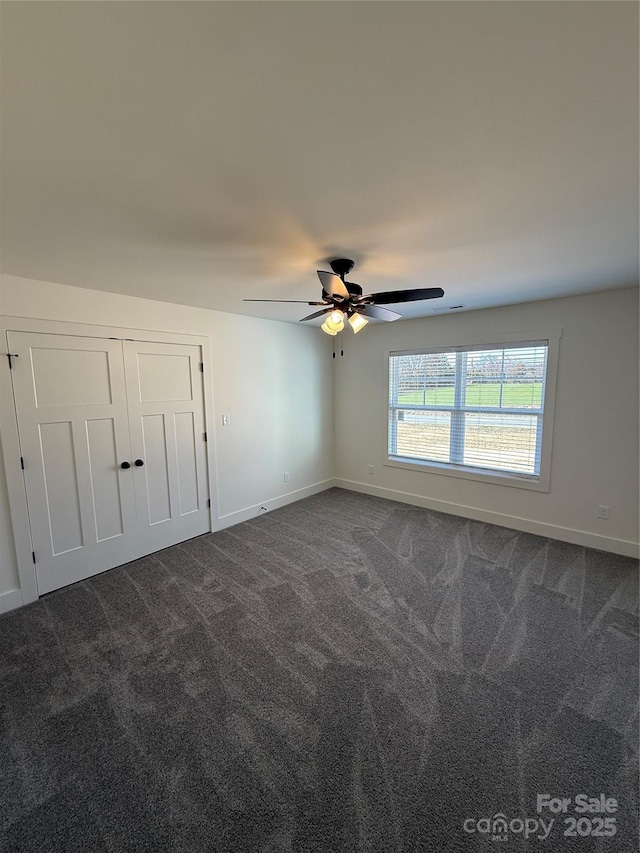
column 113, row 446
column 167, row 426
column 73, row 424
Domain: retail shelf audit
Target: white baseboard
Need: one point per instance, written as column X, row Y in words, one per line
column 10, row 600
column 274, row 503
column 564, row 534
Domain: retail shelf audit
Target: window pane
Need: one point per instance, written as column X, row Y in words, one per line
column 423, row 435
column 506, row 378
column 425, row 379
column 504, row 442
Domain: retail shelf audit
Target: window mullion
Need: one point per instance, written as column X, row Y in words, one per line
column 456, row 441
column 393, row 412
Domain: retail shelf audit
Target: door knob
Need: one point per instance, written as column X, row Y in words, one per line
column 139, row 463
column 125, row 465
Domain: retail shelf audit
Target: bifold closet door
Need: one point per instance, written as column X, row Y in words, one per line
column 167, row 427
column 71, row 404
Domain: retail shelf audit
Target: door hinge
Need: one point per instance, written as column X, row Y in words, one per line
column 22, row 462
column 205, row 436
column 11, row 355
column 202, row 367
column 33, row 556
column 209, row 502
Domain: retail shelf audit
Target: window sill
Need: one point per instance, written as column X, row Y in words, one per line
column 518, row 481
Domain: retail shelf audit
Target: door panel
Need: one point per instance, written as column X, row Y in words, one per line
column 105, row 487
column 187, row 462
column 58, row 461
column 164, row 377
column 157, row 506
column 166, row 418
column 72, row 419
column 70, row 377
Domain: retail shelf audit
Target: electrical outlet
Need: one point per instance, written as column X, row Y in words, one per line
column 286, row 476
column 370, row 469
column 226, row 420
column 604, row 511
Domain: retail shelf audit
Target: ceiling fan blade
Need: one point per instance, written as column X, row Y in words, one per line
column 378, row 313
column 319, row 313
column 299, row 301
column 389, row 297
column 333, row 284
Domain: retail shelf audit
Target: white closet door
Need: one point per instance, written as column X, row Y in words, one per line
column 72, row 413
column 166, row 421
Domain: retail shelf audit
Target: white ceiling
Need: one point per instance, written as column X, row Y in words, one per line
column 204, row 152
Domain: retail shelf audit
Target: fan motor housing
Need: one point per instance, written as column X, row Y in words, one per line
column 341, row 266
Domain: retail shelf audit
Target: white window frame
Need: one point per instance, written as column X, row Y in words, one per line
column 541, row 482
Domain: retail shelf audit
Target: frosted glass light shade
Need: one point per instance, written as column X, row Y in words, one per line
column 335, row 321
column 357, row 322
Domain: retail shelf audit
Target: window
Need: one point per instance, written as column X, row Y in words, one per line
column 475, row 411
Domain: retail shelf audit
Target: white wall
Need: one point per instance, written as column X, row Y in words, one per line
column 595, row 440
column 273, row 379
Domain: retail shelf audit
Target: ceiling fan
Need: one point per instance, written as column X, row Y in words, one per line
column 342, row 298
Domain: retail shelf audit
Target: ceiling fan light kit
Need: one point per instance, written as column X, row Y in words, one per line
column 335, row 322
column 342, row 298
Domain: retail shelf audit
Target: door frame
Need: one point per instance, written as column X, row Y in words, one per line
column 10, row 438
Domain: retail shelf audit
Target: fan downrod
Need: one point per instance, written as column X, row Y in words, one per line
column 341, row 266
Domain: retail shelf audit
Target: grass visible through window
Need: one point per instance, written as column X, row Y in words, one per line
column 514, row 395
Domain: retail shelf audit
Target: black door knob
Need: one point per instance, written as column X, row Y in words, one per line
column 139, row 463
column 125, row 465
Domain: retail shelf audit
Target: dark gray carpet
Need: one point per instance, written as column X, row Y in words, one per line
column 343, row 674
